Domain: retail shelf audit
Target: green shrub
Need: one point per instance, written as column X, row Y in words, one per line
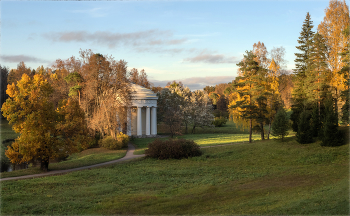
column 330, row 135
column 173, row 148
column 110, row 143
column 219, row 121
column 124, row 139
column 280, row 125
column 304, row 134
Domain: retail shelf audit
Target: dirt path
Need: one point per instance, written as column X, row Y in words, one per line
column 129, row 155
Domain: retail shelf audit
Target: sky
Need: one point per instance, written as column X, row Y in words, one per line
column 196, row 42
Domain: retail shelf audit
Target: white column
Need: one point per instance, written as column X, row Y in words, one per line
column 128, row 121
column 118, row 124
column 154, row 121
column 139, row 122
column 148, row 122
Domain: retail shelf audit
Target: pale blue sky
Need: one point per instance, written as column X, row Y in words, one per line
column 196, row 42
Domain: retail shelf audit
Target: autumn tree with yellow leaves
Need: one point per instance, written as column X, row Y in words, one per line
column 47, row 132
column 248, row 102
column 334, row 23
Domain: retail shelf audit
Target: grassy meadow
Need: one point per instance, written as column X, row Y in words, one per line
column 264, row 177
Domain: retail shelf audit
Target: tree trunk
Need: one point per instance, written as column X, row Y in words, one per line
column 79, row 96
column 44, row 166
column 186, row 128
column 336, row 103
column 250, row 130
column 262, row 131
column 268, row 135
column 193, row 129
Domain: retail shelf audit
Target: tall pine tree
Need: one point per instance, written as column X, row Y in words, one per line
column 249, row 102
column 302, row 64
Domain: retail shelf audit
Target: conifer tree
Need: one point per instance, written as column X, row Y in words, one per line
column 331, row 136
column 280, row 124
column 315, row 121
column 317, row 72
column 249, row 98
column 304, row 134
column 302, row 64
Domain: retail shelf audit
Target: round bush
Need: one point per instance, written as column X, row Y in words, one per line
column 124, row 139
column 174, row 148
column 110, row 143
column 219, row 121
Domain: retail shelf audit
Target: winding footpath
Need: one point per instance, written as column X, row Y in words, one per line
column 129, row 155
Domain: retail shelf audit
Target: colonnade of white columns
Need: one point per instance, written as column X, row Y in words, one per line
column 151, row 124
column 151, row 121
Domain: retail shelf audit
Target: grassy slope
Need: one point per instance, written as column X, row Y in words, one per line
column 265, row 177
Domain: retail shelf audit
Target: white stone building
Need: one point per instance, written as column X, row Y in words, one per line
column 142, row 115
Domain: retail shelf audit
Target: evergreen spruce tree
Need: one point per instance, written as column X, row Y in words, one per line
column 318, row 71
column 280, row 125
column 304, row 134
column 315, row 121
column 302, row 64
column 331, row 136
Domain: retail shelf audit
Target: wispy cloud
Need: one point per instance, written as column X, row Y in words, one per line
column 196, row 83
column 206, row 57
column 147, row 38
column 94, row 12
column 19, row 58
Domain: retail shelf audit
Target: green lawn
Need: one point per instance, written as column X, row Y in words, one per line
column 259, row 178
column 6, row 131
column 229, row 128
column 207, row 139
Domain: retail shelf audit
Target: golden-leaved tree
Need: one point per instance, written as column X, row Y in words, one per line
column 47, row 131
column 248, row 101
column 331, row 28
column 274, row 98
